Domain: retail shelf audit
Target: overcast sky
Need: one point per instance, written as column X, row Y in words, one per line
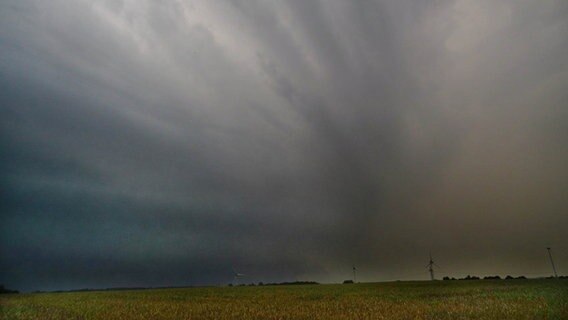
column 156, row 143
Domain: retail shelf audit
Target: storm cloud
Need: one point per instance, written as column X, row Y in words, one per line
column 155, row 143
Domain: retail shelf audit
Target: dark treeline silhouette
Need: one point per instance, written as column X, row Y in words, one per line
column 469, row 277
column 294, row 283
column 466, row 278
column 4, row 290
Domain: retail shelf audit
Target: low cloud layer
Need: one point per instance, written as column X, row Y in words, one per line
column 153, row 143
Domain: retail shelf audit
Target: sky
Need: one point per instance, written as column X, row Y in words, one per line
column 168, row 143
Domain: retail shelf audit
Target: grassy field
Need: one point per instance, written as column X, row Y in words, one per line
column 484, row 299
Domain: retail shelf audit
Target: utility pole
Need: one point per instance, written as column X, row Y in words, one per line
column 552, row 262
column 354, row 274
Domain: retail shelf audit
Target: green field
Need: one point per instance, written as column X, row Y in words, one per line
column 483, row 299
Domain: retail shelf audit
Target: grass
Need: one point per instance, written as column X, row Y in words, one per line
column 483, row 299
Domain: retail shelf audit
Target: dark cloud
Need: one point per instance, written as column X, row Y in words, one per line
column 163, row 143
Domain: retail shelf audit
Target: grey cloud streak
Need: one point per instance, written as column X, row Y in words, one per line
column 162, row 143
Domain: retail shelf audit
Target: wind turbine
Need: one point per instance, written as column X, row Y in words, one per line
column 354, row 274
column 430, row 266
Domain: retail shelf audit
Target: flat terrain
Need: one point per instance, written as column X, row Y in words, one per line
column 483, row 299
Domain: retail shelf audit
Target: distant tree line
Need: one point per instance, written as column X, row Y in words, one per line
column 468, row 277
column 294, row 283
column 4, row 290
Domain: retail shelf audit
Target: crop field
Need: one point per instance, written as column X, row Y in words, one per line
column 483, row 299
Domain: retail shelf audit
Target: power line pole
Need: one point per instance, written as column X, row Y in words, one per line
column 552, row 262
